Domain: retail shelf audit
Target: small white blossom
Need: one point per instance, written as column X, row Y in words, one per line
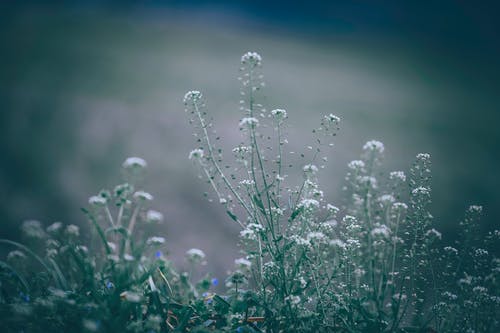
column 293, row 299
column 32, row 228
column 54, row 227
column 247, row 182
column 315, row 236
column 130, row 297
column 73, row 230
column 155, row 240
column 374, row 146
column 310, row 168
column 196, row 154
column 247, row 234
column 144, row 196
column 251, row 57
column 450, row 250
column 332, row 209
column 399, row 175
column 153, row 216
column 433, row 233
column 97, row 200
column 134, row 163
column 195, row 255
column 337, row 243
column 424, row 157
column 421, row 190
column 400, row 206
column 279, row 113
column 300, row 241
column 356, row 165
column 309, row 204
column 249, row 121
column 386, row 199
column 222, row 201
column 475, row 209
column 277, row 211
column 16, row 255
column 192, row 96
column 332, row 118
column 243, row 263
column 381, row 230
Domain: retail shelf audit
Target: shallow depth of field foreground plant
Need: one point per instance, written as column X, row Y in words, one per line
column 374, row 263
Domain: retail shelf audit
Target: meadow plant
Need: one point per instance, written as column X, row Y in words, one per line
column 373, row 263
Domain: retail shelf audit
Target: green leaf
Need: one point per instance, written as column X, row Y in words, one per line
column 296, row 213
column 232, row 216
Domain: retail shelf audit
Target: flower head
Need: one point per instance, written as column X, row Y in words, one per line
column 374, row 146
column 134, row 163
column 192, row 96
column 196, row 154
column 252, row 58
column 195, row 255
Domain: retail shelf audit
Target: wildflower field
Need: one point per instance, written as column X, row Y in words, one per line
column 372, row 262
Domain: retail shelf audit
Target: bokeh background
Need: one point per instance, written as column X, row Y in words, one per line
column 85, row 84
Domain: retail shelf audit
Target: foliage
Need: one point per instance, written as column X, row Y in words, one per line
column 373, row 264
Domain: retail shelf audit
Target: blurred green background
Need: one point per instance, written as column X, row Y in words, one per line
column 83, row 85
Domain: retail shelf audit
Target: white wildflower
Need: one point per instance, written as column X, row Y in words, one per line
column 192, row 96
column 131, row 297
column 279, row 113
column 247, row 182
column 247, row 234
column 249, row 122
column 277, row 211
column 300, row 241
column 128, row 257
column 152, row 216
column 374, row 146
column 143, row 196
column 54, row 227
column 356, row 165
column 16, row 255
column 222, row 201
column 332, row 209
column 33, row 229
column 381, row 230
column 316, row 236
column 293, row 299
column 196, row 154
column 310, row 168
column 155, row 240
column 433, row 233
column 195, row 255
column 400, row 206
column 73, row 230
column 397, row 175
column 421, row 190
column 309, row 204
column 337, row 243
column 332, row 118
column 97, row 200
column 424, row 157
column 368, row 181
column 243, row 263
column 252, row 58
column 134, row 163
column 386, row 199
column 475, row 209
column 450, row 250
